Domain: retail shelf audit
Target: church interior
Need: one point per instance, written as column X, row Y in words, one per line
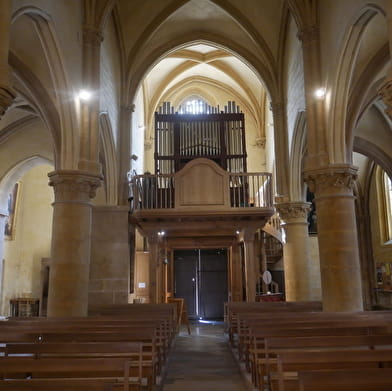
column 218, row 151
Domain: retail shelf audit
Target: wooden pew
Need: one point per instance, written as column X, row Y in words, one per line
column 364, row 379
column 233, row 309
column 264, row 360
column 247, row 337
column 146, row 337
column 63, row 384
column 290, row 363
column 154, row 325
column 109, row 368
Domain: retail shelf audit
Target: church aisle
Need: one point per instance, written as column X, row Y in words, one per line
column 203, row 361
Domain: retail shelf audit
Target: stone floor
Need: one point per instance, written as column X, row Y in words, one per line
column 203, row 361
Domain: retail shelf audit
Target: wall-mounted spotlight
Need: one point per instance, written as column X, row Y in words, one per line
column 85, row 95
column 161, row 233
column 320, row 93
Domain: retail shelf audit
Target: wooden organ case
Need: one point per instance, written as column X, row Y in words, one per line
column 212, row 134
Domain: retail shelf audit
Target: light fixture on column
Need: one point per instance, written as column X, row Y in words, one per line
column 85, row 95
column 319, row 93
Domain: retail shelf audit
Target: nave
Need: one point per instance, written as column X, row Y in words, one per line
column 203, row 361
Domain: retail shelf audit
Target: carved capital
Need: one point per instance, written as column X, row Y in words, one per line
column 92, row 36
column 148, row 143
column 260, row 142
column 276, row 107
column 74, row 186
column 331, row 180
column 289, row 211
column 385, row 92
column 7, row 96
column 309, row 34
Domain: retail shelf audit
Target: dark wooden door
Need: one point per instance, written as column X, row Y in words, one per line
column 201, row 279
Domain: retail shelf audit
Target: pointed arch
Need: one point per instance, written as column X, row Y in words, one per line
column 374, row 153
column 341, row 93
column 17, row 172
column 68, row 150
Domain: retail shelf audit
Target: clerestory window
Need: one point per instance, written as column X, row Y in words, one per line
column 194, row 106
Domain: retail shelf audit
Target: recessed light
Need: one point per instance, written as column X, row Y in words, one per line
column 85, row 95
column 320, row 93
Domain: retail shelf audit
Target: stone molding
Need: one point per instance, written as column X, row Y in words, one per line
column 75, row 185
column 333, row 179
column 385, row 92
column 289, row 211
column 7, row 96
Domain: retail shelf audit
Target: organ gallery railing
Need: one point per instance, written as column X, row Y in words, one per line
column 158, row 191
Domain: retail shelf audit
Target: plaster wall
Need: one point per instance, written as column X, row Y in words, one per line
column 32, row 239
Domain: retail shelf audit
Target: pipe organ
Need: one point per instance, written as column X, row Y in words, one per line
column 181, row 137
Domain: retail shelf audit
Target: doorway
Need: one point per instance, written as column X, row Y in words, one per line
column 200, row 277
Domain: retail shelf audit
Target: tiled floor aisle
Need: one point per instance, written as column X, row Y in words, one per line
column 203, row 362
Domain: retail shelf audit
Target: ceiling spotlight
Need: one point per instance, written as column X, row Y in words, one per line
column 85, row 95
column 320, row 93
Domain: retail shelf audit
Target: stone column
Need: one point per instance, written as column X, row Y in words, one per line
column 71, row 242
column 281, row 148
column 89, row 132
column 7, row 95
column 251, row 268
column 236, row 273
column 110, row 257
column 153, row 248
column 315, row 111
column 295, row 250
column 338, row 240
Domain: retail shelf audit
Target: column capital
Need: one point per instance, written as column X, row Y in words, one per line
column 293, row 211
column 309, row 33
column 73, row 185
column 7, row 96
column 92, row 36
column 338, row 178
column 276, row 107
column 385, row 93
